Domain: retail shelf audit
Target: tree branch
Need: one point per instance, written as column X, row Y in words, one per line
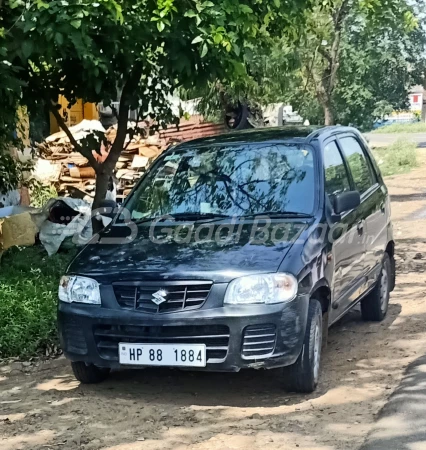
column 324, row 53
column 114, row 110
column 123, row 115
column 137, row 127
column 74, row 143
column 333, row 58
column 341, row 15
column 310, row 71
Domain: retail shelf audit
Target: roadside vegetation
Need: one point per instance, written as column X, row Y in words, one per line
column 28, row 297
column 416, row 127
column 399, row 157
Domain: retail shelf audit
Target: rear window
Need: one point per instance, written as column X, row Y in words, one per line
column 358, row 164
column 336, row 176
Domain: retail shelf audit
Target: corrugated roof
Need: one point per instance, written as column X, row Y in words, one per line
column 193, row 128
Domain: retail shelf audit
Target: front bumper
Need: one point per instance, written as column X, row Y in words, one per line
column 249, row 336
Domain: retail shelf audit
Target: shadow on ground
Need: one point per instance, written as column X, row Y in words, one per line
column 402, row 423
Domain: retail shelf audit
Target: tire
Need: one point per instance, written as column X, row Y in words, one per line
column 303, row 375
column 374, row 306
column 241, row 120
column 89, row 374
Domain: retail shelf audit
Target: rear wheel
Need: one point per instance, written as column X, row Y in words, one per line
column 89, row 374
column 303, row 375
column 375, row 305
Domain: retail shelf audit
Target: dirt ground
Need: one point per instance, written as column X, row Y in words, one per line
column 163, row 409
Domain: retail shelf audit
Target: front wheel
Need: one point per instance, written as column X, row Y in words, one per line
column 88, row 373
column 303, row 375
column 374, row 306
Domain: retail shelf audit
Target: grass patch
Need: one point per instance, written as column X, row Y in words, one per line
column 399, row 157
column 28, row 298
column 417, row 127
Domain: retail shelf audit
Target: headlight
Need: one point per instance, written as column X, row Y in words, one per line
column 268, row 288
column 79, row 289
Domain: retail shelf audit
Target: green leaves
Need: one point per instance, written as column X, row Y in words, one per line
column 13, row 4
column 218, row 38
column 98, row 85
column 197, row 39
column 190, row 13
column 59, row 38
column 90, row 50
column 41, row 4
column 11, row 173
column 246, row 9
column 204, row 50
column 76, row 23
column 27, row 48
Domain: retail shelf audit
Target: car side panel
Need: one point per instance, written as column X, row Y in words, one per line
column 347, row 256
column 376, row 232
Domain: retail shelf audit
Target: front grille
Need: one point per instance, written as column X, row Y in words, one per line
column 179, row 296
column 73, row 337
column 259, row 341
column 215, row 337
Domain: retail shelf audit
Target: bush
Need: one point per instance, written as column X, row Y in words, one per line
column 416, row 127
column 28, row 298
column 11, row 172
column 399, row 157
column 40, row 193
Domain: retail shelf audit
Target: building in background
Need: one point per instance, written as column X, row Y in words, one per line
column 74, row 115
column 417, row 100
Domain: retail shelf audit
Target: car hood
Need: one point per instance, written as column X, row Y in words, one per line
column 180, row 255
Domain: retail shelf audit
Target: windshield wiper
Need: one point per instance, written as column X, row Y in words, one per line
column 145, row 219
column 182, row 216
column 274, row 214
column 198, row 215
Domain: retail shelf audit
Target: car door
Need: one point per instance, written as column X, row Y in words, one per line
column 372, row 221
column 345, row 237
column 377, row 207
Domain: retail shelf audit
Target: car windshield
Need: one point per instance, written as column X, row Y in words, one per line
column 232, row 180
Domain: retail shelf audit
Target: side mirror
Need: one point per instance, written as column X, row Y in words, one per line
column 346, row 201
column 107, row 208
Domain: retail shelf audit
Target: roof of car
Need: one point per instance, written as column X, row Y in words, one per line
column 289, row 133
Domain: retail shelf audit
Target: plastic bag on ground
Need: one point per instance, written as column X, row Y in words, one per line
column 65, row 217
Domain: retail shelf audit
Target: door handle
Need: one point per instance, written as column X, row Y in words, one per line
column 360, row 227
column 382, row 207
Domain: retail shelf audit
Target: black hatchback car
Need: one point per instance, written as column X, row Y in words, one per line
column 236, row 251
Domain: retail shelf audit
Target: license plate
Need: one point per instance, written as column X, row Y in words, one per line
column 191, row 355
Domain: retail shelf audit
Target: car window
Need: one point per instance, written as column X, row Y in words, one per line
column 358, row 164
column 230, row 180
column 336, row 176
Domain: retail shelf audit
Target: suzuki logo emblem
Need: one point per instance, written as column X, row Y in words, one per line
column 159, row 297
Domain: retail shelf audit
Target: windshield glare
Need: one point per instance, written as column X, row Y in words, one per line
column 229, row 180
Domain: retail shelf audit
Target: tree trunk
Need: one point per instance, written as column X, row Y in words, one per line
column 328, row 114
column 104, row 170
column 325, row 88
column 102, row 180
